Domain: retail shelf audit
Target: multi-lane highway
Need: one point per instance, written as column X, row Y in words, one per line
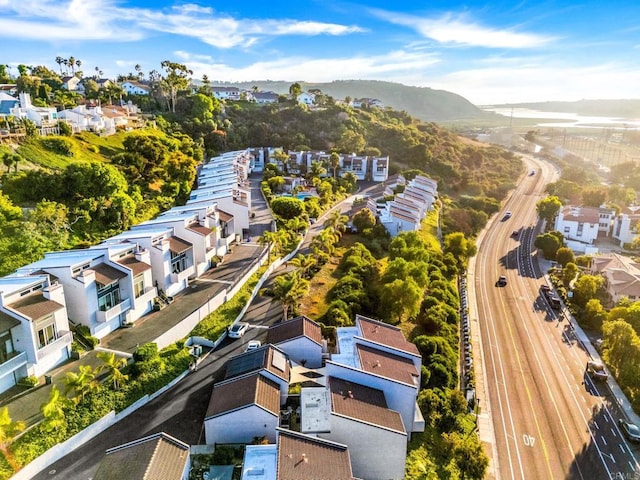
column 550, row 420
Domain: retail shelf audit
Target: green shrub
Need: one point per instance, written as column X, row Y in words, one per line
column 146, row 352
column 59, row 145
column 29, row 381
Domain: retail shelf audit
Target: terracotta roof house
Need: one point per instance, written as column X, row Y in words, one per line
column 581, row 225
column 241, row 409
column 300, row 338
column 156, row 457
column 621, row 274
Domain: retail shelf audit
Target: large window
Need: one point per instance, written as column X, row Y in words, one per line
column 178, row 262
column 138, row 286
column 47, row 334
column 108, row 296
column 6, row 346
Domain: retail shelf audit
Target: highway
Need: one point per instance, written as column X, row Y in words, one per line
column 550, row 420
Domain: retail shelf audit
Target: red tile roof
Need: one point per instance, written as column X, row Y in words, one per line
column 304, row 457
column 363, row 403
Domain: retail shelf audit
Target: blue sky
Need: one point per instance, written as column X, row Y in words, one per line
column 489, row 52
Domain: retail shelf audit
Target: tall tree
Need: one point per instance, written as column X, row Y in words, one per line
column 548, row 208
column 289, row 289
column 59, row 62
column 113, row 366
column 53, row 411
column 72, row 64
column 81, row 383
column 334, row 160
column 177, row 79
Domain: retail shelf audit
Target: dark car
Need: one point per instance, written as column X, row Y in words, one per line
column 630, row 430
column 515, row 233
column 545, row 288
column 502, row 281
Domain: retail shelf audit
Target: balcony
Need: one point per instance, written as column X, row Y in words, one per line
column 13, row 364
column 149, row 294
column 64, row 339
column 183, row 275
column 122, row 307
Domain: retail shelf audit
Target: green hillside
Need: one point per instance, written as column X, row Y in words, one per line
column 423, row 103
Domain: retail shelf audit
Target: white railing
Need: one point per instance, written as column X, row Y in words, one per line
column 105, row 316
column 64, row 338
column 13, row 363
column 186, row 273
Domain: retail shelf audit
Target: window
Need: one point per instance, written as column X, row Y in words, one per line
column 566, row 229
column 108, row 296
column 138, row 286
column 47, row 333
column 178, row 262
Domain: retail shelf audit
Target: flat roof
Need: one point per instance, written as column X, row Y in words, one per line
column 315, row 407
column 260, row 462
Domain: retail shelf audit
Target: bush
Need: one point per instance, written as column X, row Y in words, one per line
column 29, row 381
column 60, row 145
column 146, row 352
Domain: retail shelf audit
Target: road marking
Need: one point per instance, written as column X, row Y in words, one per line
column 596, row 424
column 633, row 467
column 604, row 440
column 528, row 440
column 621, row 447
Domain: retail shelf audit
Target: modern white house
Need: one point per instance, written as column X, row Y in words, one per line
column 43, row 117
column 131, row 87
column 105, row 286
column 360, row 418
column 296, row 456
column 171, row 258
column 625, row 226
column 581, row 225
column 83, row 118
column 34, row 329
column 300, row 338
column 241, row 409
column 265, row 97
column 306, row 98
column 226, row 93
column 158, row 456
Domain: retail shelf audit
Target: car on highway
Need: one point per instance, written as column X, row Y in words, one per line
column 630, row 430
column 515, row 233
column 532, row 173
column 238, row 330
column 253, row 345
column 502, row 281
column 545, row 288
column 507, row 215
column 596, row 370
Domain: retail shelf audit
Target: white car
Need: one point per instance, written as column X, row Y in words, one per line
column 238, row 330
column 253, row 345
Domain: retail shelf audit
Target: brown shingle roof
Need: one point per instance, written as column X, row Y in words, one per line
column 136, row 266
column 106, row 274
column 387, row 365
column 202, row 230
column 7, row 322
column 224, row 216
column 385, row 334
column 157, row 457
column 294, row 328
column 177, row 245
column 363, row 403
column 301, row 456
column 35, row 306
column 243, row 392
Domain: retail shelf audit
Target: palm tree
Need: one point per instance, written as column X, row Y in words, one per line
column 78, row 64
column 305, row 264
column 336, row 221
column 59, row 62
column 113, row 366
column 53, row 411
column 9, row 430
column 80, row 383
column 334, row 159
column 72, row 63
column 288, row 289
column 65, row 62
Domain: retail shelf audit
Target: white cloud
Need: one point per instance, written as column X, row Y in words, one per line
column 457, row 30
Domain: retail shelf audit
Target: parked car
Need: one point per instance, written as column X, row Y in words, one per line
column 515, row 233
column 238, row 330
column 253, row 345
column 596, row 370
column 502, row 281
column 630, row 430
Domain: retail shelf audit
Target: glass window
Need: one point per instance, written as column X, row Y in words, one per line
column 178, row 262
column 138, row 286
column 46, row 335
column 108, row 297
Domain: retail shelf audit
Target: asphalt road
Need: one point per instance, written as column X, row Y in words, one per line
column 550, row 420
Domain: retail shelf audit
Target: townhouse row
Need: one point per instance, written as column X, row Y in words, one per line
column 115, row 283
column 353, row 417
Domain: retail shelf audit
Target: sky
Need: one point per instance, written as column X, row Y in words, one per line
column 494, row 52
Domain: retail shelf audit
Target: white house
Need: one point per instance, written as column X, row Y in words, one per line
column 296, row 456
column 131, row 87
column 34, row 328
column 625, row 226
column 300, row 338
column 265, row 97
column 83, row 118
column 241, row 409
column 71, row 83
column 43, row 117
column 226, row 93
column 171, row 258
column 306, row 98
column 360, row 418
column 105, row 286
column 157, row 456
column 581, row 225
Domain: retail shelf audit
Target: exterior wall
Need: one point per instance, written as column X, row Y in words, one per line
column 570, row 230
column 400, row 397
column 622, row 230
column 303, row 348
column 364, row 442
column 241, row 426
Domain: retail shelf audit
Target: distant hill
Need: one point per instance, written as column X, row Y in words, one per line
column 423, row 103
column 629, row 109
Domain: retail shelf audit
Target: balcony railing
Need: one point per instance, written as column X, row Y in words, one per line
column 149, row 294
column 64, row 338
column 186, row 273
column 13, row 364
column 105, row 316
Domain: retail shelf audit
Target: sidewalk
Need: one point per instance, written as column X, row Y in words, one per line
column 24, row 404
